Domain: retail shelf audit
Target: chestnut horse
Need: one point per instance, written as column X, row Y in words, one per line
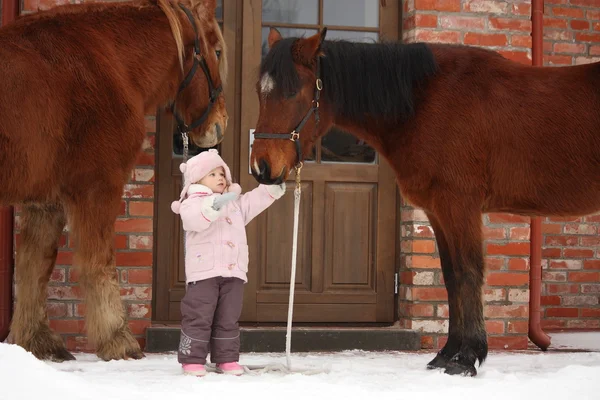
column 75, row 84
column 465, row 130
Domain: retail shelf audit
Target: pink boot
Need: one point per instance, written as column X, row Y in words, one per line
column 194, row 369
column 230, row 368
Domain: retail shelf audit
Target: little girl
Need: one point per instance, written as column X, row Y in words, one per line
column 214, row 216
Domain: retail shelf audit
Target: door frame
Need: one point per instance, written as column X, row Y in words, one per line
column 390, row 29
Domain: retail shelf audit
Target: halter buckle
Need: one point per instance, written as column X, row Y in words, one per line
column 294, row 136
column 319, row 84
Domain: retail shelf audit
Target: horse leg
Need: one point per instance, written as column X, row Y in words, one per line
column 461, row 226
column 41, row 227
column 93, row 219
column 453, row 344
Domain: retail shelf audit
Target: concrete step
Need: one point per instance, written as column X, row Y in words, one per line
column 304, row 339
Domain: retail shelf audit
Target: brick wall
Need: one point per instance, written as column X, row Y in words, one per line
column 133, row 245
column 571, row 250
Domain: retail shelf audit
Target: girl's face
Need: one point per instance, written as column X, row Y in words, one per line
column 215, row 180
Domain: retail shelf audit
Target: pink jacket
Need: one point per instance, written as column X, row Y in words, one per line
column 216, row 240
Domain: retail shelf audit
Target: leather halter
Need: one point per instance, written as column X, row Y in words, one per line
column 213, row 92
column 294, row 135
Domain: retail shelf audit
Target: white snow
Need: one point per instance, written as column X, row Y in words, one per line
column 352, row 375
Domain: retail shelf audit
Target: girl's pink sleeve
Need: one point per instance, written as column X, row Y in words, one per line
column 257, row 200
column 197, row 213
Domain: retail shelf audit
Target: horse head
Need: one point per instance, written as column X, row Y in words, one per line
column 199, row 104
column 289, row 89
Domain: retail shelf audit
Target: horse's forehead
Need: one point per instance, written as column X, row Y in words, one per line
column 267, row 84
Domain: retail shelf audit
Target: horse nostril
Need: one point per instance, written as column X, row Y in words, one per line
column 264, row 169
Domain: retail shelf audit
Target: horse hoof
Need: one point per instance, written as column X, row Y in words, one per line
column 61, row 355
column 135, row 354
column 454, row 368
column 122, row 347
column 440, row 361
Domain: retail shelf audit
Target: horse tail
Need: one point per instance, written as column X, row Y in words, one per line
column 176, row 28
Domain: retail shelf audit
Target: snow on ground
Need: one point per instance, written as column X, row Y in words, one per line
column 350, row 375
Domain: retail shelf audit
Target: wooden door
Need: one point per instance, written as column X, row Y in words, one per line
column 347, row 234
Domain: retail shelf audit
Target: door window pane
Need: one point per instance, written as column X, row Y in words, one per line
column 363, row 13
column 354, row 36
column 340, row 146
column 219, row 10
column 290, row 11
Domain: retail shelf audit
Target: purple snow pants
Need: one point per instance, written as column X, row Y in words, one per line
column 210, row 312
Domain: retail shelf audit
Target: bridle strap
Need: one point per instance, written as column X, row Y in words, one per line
column 213, row 93
column 294, row 135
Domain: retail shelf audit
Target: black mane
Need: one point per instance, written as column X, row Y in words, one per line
column 359, row 79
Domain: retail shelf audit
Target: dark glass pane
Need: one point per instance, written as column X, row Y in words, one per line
column 340, row 146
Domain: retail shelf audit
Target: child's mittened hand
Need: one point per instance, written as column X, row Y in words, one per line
column 223, row 199
column 276, row 191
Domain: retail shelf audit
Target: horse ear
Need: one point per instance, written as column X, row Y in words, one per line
column 274, row 37
column 308, row 49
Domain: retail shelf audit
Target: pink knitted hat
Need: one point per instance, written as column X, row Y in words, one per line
column 197, row 168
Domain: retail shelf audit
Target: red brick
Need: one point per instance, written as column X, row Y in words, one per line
column 567, row 12
column 494, row 327
column 587, row 324
column 571, row 48
column 584, row 276
column 558, row 60
column 511, row 24
column 150, row 123
column 64, row 258
column 141, row 191
column 579, row 25
column 578, row 253
column 438, row 5
column 587, row 37
column 519, row 233
column 140, row 242
column 426, row 21
column 510, row 249
column 141, row 208
column 580, row 229
column 120, row 242
column 140, row 276
column 58, row 275
column 509, row 311
column 590, row 312
column 494, row 233
column 406, row 277
column 486, row 6
column 518, row 326
column 144, row 158
column 565, row 264
column 508, row 342
column 437, row 36
column 139, row 311
column 586, row 3
column 553, row 228
column 429, row 294
column 522, row 9
column 563, row 240
column 420, row 310
column 562, row 312
column 424, row 262
column 128, row 225
column 592, row 14
column 565, row 288
column 423, row 246
column 461, row 22
column 591, row 264
column 521, row 41
column 507, row 279
column 550, row 300
column 134, row 259
column 551, row 253
column 518, row 264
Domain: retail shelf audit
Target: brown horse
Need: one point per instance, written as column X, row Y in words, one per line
column 75, row 84
column 465, row 130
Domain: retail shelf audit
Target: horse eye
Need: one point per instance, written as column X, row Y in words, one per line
column 218, row 52
column 291, row 94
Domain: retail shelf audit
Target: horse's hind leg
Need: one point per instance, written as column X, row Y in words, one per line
column 93, row 218
column 41, row 227
column 455, row 323
column 461, row 225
